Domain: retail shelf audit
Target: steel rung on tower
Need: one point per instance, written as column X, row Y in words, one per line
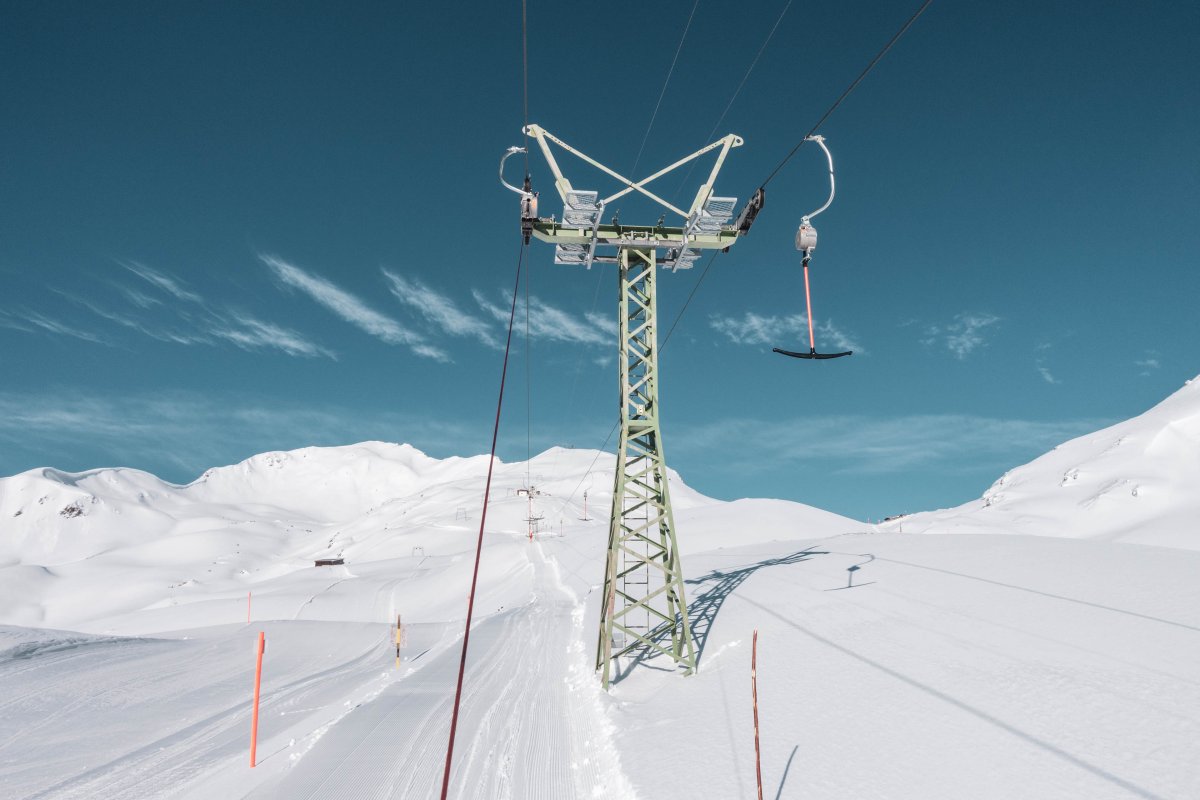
column 643, row 581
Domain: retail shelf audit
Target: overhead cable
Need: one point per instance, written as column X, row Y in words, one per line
column 487, row 489
column 525, row 73
column 761, row 49
column 850, row 89
column 663, row 93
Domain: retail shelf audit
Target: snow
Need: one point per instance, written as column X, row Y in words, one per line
column 970, row 658
column 1133, row 482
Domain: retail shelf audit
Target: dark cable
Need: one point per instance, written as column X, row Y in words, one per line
column 663, row 93
column 762, row 48
column 525, row 75
column 462, row 663
column 850, row 88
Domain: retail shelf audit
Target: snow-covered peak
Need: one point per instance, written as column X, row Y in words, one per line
column 1137, row 481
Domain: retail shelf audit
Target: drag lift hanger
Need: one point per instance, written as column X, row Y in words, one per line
column 806, row 242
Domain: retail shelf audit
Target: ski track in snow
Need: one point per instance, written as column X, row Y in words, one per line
column 526, row 729
column 133, row 676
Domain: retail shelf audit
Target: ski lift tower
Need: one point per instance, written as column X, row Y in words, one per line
column 644, row 611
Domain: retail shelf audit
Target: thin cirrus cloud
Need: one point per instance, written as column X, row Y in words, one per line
column 438, row 309
column 198, row 325
column 350, row 308
column 781, row 330
column 160, row 281
column 1149, row 363
column 249, row 333
column 872, row 445
column 963, row 335
column 1040, row 364
column 34, row 322
column 551, row 323
column 178, row 435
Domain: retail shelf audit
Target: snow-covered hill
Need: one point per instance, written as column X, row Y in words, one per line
column 983, row 666
column 81, row 550
column 1136, row 482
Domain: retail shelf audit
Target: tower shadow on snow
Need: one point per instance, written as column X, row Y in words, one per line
column 703, row 610
column 716, row 586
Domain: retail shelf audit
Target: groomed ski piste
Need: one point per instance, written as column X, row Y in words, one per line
column 1042, row 642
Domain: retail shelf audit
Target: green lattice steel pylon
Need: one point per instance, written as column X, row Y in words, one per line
column 644, row 610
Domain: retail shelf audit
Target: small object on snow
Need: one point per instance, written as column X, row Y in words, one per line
column 328, row 562
column 850, row 575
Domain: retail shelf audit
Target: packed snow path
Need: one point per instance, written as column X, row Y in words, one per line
column 528, row 726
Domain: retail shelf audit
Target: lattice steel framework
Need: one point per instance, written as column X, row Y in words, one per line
column 644, row 611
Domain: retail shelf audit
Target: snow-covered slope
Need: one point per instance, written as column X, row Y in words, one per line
column 988, row 667
column 1136, row 482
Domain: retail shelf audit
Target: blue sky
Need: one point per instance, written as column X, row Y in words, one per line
column 227, row 228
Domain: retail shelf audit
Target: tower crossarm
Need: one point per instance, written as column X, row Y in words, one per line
column 622, row 235
column 543, row 137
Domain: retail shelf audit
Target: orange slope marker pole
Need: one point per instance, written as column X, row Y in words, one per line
column 400, row 639
column 754, row 693
column 262, row 646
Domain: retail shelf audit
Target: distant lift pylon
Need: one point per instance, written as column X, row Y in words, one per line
column 806, row 242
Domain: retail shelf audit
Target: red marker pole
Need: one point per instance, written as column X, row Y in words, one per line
column 262, row 646
column 754, row 693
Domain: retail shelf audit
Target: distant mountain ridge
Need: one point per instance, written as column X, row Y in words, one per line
column 75, row 547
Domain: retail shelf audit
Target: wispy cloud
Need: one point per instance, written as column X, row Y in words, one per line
column 160, row 281
column 1047, row 375
column 962, row 336
column 781, row 330
column 1040, row 364
column 603, row 322
column 210, row 327
column 438, row 309
column 11, row 322
column 350, row 308
column 1149, row 363
column 33, row 321
column 249, row 333
column 550, row 322
column 179, row 435
column 873, row 445
column 139, row 299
